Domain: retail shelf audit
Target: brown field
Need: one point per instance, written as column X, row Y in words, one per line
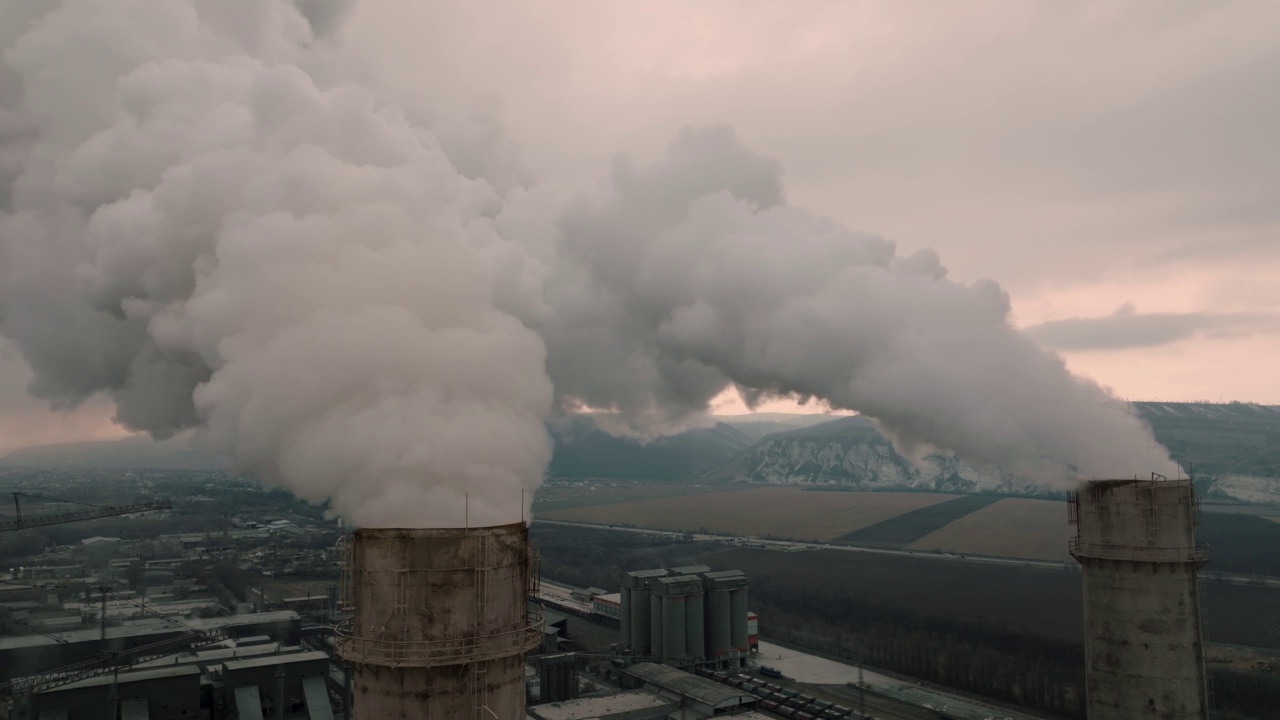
column 561, row 496
column 782, row 512
column 1013, row 527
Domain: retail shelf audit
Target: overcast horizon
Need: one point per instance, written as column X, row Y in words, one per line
column 1113, row 166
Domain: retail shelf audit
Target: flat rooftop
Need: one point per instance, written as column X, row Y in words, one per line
column 269, row 660
column 603, row 707
column 131, row 676
column 148, row 627
column 691, row 686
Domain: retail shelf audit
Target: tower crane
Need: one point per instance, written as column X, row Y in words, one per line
column 96, row 511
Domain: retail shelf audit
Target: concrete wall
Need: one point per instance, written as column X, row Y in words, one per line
column 1144, row 654
column 440, row 624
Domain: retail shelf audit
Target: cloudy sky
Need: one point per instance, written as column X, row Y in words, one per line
column 1114, row 166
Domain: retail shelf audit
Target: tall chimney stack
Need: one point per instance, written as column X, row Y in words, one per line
column 1144, row 648
column 441, row 622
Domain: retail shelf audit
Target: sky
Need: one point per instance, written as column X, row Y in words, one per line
column 1113, row 165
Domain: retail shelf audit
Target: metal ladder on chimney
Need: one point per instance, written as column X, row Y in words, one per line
column 479, row 669
column 1208, row 678
column 400, row 601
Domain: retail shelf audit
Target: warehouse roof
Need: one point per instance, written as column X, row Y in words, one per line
column 131, row 676
column 149, row 627
column 690, row 686
column 269, row 660
column 603, row 707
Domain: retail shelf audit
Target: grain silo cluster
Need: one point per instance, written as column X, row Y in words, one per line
column 686, row 616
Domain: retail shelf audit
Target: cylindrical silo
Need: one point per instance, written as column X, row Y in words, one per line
column 656, row 636
column 673, row 626
column 1144, row 652
column 624, row 617
column 695, row 632
column 738, row 618
column 640, row 620
column 441, row 624
column 719, row 619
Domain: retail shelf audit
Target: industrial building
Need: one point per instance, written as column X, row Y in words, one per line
column 686, row 616
column 1144, row 646
column 701, row 697
column 250, row 678
column 39, row 653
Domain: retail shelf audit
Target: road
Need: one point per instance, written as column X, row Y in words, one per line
column 790, row 546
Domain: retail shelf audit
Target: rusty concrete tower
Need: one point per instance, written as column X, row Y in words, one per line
column 1144, row 647
column 441, row 622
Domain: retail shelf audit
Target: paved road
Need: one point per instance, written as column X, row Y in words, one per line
column 788, row 546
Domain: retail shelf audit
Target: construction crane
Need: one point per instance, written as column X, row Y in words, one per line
column 97, row 511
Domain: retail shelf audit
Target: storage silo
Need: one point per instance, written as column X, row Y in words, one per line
column 637, row 611
column 676, row 595
column 441, row 622
column 624, row 617
column 657, row 638
column 694, row 623
column 1144, row 650
column 720, row 613
column 673, row 627
column 738, row 619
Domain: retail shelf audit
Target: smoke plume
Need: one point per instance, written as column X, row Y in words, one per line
column 205, row 217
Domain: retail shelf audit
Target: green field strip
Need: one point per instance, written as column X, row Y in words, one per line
column 911, row 526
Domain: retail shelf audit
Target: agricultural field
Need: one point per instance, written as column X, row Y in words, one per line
column 1239, row 542
column 1028, row 601
column 566, row 495
column 910, row 526
column 781, row 512
column 1012, row 527
column 1242, row 544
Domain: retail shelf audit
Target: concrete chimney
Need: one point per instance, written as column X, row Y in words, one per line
column 1144, row 649
column 441, row 622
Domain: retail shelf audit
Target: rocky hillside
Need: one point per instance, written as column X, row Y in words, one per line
column 1233, row 449
column 851, row 452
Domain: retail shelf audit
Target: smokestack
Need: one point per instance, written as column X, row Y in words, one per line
column 1144, row 649
column 441, row 622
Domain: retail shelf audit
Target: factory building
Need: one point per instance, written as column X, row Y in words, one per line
column 686, row 616
column 252, row 678
column 697, row 696
column 1144, row 647
column 39, row 653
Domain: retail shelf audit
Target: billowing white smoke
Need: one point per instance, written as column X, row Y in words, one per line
column 204, row 221
column 692, row 274
column 202, row 217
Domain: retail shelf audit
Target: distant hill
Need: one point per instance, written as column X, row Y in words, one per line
column 1233, row 450
column 851, row 452
column 582, row 449
column 758, row 425
column 1238, row 438
column 128, row 453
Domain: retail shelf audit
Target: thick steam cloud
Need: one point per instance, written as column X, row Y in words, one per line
column 202, row 216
